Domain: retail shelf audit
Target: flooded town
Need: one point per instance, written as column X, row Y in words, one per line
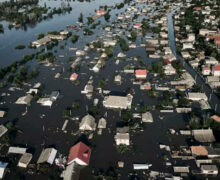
column 109, row 89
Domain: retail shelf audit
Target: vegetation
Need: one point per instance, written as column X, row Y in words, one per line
column 124, row 149
column 80, row 19
column 110, row 174
column 74, row 38
column 88, row 32
column 107, row 16
column 109, row 51
column 93, row 110
column 20, row 47
column 40, row 36
column 123, row 44
column 1, row 28
column 157, row 67
column 27, row 11
column 102, row 83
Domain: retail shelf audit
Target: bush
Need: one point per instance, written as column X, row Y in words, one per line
column 123, row 44
column 20, row 47
column 74, row 38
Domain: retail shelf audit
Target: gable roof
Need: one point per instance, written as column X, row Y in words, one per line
column 141, row 72
column 199, row 150
column 80, row 151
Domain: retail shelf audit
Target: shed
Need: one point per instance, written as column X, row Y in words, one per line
column 2, row 113
column 147, row 117
column 102, row 123
column 87, row 123
column 16, row 150
column 181, row 169
column 25, row 160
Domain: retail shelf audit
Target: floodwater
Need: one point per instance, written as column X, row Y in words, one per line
column 104, row 153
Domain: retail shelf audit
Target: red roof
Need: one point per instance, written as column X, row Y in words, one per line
column 197, row 8
column 80, row 151
column 206, row 68
column 141, row 72
column 137, row 25
column 217, row 68
column 101, row 12
column 73, row 76
column 167, row 61
column 217, row 41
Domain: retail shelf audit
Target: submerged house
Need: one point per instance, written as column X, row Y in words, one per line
column 79, row 154
column 209, row 169
column 47, row 155
column 88, row 123
column 118, row 102
column 203, row 135
column 102, row 123
column 24, row 99
column 141, row 73
column 25, row 160
column 122, row 138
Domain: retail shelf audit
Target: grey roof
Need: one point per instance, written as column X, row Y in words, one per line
column 203, row 135
column 124, row 129
column 3, row 130
column 87, row 123
column 26, row 158
column 47, row 155
column 102, row 123
column 209, row 167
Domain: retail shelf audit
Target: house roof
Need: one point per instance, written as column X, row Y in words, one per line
column 199, row 150
column 141, row 72
column 203, row 135
column 80, row 151
column 206, row 68
column 216, row 118
column 217, row 67
column 74, row 76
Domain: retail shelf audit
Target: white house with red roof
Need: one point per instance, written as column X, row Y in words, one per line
column 73, row 77
column 80, row 154
column 141, row 73
column 100, row 12
column 137, row 26
column 216, row 70
column 206, row 70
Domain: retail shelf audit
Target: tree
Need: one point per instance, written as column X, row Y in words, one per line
column 80, row 19
column 183, row 102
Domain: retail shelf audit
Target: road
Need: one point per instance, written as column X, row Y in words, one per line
column 213, row 99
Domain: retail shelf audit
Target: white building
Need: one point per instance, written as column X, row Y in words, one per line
column 88, row 123
column 188, row 46
column 25, row 160
column 47, row 155
column 122, row 138
column 118, row 102
column 195, row 96
column 206, row 71
column 169, row 69
column 216, row 70
column 209, row 169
